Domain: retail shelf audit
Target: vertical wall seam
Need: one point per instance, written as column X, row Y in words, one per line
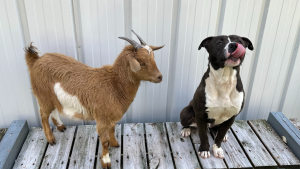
column 291, row 68
column 256, row 57
column 220, row 20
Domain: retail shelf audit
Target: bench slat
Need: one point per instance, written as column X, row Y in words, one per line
column 234, row 154
column 183, row 151
column 33, row 150
column 57, row 155
column 12, row 143
column 159, row 154
column 284, row 127
column 277, row 148
column 134, row 149
column 295, row 122
column 257, row 153
column 84, row 149
column 114, row 152
column 211, row 162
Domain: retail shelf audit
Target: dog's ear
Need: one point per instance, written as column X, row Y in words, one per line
column 248, row 43
column 205, row 42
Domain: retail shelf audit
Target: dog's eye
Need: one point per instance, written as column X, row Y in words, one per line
column 143, row 64
column 220, row 43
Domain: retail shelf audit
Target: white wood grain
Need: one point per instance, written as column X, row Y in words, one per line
column 257, row 153
column 134, row 148
column 277, row 148
column 183, row 151
column 32, row 152
column 158, row 146
column 84, row 148
column 114, row 152
column 57, row 156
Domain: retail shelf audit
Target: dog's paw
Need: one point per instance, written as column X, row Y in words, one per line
column 185, row 132
column 218, row 152
column 105, row 161
column 225, row 138
column 204, row 154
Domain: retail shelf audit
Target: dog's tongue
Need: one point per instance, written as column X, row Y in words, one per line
column 239, row 52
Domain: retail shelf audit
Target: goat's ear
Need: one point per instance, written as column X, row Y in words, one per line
column 156, row 47
column 248, row 43
column 134, row 64
column 205, row 42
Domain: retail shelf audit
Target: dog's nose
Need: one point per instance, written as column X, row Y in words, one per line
column 232, row 47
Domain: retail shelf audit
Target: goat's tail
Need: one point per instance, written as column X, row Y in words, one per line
column 31, row 55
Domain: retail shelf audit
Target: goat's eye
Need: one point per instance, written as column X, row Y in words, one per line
column 142, row 64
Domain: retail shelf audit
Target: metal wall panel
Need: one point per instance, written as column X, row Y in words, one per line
column 16, row 101
column 88, row 30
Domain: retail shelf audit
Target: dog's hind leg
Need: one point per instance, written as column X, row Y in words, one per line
column 187, row 118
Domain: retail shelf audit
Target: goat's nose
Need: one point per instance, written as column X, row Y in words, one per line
column 159, row 77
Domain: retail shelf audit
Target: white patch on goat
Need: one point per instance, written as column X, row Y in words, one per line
column 106, row 158
column 218, row 152
column 185, row 132
column 70, row 104
column 222, row 99
column 148, row 48
column 54, row 114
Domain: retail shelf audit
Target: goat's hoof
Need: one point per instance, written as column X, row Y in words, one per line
column 106, row 165
column 115, row 144
column 52, row 140
column 61, row 128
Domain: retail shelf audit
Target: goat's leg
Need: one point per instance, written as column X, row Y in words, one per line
column 113, row 141
column 47, row 130
column 103, row 132
column 56, row 121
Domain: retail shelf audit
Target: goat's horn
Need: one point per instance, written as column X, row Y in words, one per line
column 141, row 40
column 132, row 42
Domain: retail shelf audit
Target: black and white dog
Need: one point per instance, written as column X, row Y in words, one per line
column 220, row 96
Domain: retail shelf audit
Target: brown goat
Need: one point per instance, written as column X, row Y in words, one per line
column 62, row 84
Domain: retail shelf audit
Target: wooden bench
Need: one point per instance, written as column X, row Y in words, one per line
column 251, row 144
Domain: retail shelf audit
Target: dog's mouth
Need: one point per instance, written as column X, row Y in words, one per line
column 233, row 58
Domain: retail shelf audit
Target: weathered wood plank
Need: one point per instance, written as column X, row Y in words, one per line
column 234, row 154
column 57, row 156
column 211, row 162
column 257, row 153
column 12, row 143
column 2, row 133
column 33, row 150
column 277, row 148
column 84, row 149
column 134, row 148
column 159, row 154
column 284, row 127
column 296, row 122
column 114, row 152
column 183, row 150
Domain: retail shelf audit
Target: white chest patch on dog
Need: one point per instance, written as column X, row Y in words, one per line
column 222, row 99
column 71, row 104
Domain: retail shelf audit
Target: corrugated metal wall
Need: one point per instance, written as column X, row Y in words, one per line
column 88, row 29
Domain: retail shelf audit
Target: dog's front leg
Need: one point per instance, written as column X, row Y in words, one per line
column 222, row 130
column 202, row 129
